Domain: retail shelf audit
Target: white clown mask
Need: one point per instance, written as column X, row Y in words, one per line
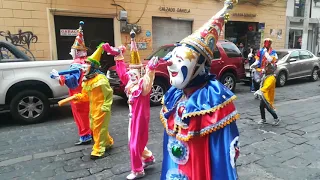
column 86, row 67
column 134, row 75
column 182, row 66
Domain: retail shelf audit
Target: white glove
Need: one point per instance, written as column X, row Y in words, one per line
column 254, row 64
column 54, row 74
column 250, row 55
column 258, row 93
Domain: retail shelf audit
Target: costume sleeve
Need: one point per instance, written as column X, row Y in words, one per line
column 122, row 71
column 257, row 57
column 108, row 99
column 266, row 85
column 72, row 80
column 82, row 97
column 148, row 79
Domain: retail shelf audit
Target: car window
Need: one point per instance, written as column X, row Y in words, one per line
column 216, row 54
column 231, row 50
column 304, row 55
column 282, row 54
column 295, row 55
column 5, row 54
column 161, row 52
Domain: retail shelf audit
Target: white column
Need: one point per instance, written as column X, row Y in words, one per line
column 306, row 25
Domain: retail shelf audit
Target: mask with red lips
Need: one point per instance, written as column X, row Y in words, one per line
column 134, row 75
column 182, row 64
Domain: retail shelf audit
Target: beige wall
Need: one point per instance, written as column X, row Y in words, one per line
column 37, row 16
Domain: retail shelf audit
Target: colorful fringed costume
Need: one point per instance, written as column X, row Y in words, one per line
column 201, row 136
column 72, row 78
column 264, row 56
column 97, row 91
column 138, row 92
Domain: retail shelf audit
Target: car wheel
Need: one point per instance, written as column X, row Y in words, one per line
column 314, row 75
column 157, row 92
column 281, row 79
column 29, row 106
column 229, row 80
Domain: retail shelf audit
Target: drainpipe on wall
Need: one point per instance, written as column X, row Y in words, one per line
column 306, row 25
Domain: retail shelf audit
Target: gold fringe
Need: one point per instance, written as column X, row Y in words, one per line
column 209, row 110
column 189, row 136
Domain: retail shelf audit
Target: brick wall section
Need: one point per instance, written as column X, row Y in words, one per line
column 31, row 15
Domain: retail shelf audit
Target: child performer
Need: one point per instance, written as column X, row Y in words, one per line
column 267, row 93
column 138, row 91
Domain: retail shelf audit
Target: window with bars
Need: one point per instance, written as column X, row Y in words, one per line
column 299, row 6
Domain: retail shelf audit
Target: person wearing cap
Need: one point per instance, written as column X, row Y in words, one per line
column 264, row 56
column 72, row 78
column 198, row 114
column 138, row 88
column 97, row 91
column 266, row 94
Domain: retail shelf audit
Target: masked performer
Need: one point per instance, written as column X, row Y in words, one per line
column 97, row 91
column 138, row 87
column 266, row 94
column 72, row 78
column 264, row 56
column 198, row 114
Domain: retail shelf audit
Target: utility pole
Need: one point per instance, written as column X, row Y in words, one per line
column 304, row 44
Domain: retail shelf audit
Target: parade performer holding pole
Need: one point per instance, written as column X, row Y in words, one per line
column 266, row 94
column 72, row 78
column 97, row 91
column 264, row 56
column 198, row 113
column 138, row 88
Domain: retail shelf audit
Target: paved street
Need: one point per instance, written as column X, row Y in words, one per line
column 290, row 151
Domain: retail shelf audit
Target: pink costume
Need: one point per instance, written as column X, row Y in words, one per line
column 138, row 92
column 72, row 78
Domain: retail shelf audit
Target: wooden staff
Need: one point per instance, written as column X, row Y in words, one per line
column 66, row 100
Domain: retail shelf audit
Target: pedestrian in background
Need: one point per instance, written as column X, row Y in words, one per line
column 266, row 94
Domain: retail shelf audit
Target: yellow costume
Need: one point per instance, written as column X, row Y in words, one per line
column 96, row 89
column 268, row 89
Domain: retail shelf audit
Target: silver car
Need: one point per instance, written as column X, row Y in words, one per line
column 296, row 63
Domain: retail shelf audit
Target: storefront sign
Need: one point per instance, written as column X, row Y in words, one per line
column 140, row 45
column 68, row 32
column 244, row 15
column 171, row 9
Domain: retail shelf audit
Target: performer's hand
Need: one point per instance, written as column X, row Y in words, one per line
column 153, row 63
column 250, row 55
column 54, row 74
column 112, row 50
column 258, row 93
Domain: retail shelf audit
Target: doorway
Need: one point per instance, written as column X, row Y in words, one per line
column 95, row 30
column 243, row 32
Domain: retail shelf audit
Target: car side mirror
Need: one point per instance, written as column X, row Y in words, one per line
column 293, row 59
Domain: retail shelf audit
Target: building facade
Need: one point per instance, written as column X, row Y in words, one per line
column 295, row 17
column 47, row 27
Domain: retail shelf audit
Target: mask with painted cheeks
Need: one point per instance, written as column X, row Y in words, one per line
column 182, row 64
column 134, row 75
column 86, row 67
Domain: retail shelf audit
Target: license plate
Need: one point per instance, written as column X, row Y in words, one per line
column 248, row 74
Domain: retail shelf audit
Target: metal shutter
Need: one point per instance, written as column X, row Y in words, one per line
column 169, row 31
